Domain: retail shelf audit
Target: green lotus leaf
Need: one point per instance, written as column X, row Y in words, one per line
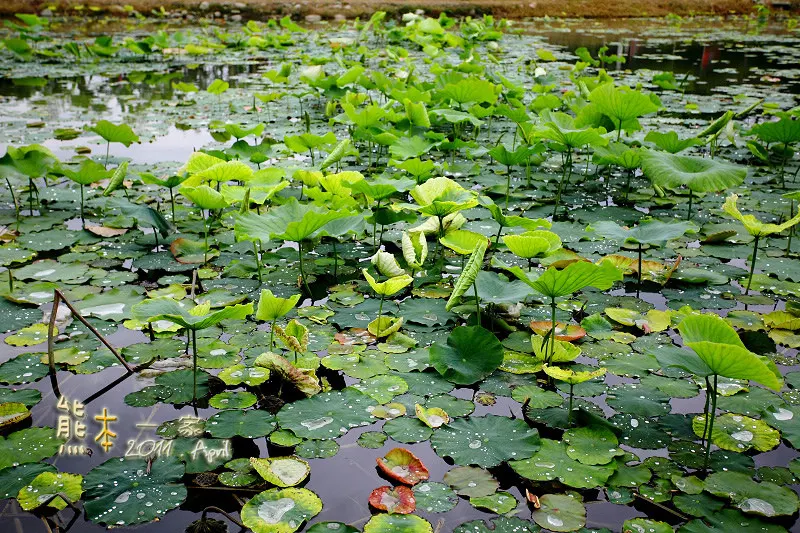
column 470, row 354
column 280, row 510
column 556, row 283
column 472, row 441
column 195, row 318
column 28, row 336
column 382, row 388
column 282, row 471
column 562, row 128
column 291, row 221
column 560, row 512
column 234, row 422
column 765, row 498
column 718, row 346
column 397, row 523
column 174, row 387
column 572, row 377
column 294, row 336
column 87, row 173
column 124, row 491
column 471, row 481
column 442, row 196
column 648, row 231
column 331, row 527
column 739, row 433
column 563, row 351
column 499, row 503
column 15, row 478
column 622, row 105
column 699, row 174
column 730, row 520
column 669, row 141
column 644, row 524
column 754, row 226
column 407, row 430
column 415, row 248
column 501, row 524
column 532, row 243
column 233, row 400
column 204, row 197
column 433, row 497
column 48, row 484
column 12, row 413
column 238, row 374
column 592, row 445
column 552, row 462
column 24, row 368
column 327, row 415
column 115, row 133
column 785, row 131
column 389, row 287
column 462, row 242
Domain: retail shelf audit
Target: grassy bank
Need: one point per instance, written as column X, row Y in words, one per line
column 329, row 9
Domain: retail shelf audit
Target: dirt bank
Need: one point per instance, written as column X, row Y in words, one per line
column 329, row 9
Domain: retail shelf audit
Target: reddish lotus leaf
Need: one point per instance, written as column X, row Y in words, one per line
column 398, row 500
column 564, row 332
column 353, row 336
column 403, row 466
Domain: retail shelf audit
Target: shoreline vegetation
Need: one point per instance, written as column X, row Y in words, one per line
column 334, row 9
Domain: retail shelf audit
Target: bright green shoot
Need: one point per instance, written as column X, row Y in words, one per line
column 756, row 228
column 719, row 352
column 271, row 308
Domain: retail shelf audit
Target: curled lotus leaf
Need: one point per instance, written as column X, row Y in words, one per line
column 281, row 471
column 280, row 510
column 305, row 381
column 433, row 417
column 401, row 465
column 399, row 500
column 384, row 326
column 294, row 336
column 12, row 413
column 532, row 243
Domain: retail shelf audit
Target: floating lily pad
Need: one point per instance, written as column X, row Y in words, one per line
column 327, row 415
column 125, row 491
column 234, row 422
column 500, row 524
column 739, row 433
column 471, row 481
column 560, row 512
column 397, row 523
column 765, row 499
column 433, row 497
column 592, row 445
column 280, row 510
column 28, row 445
column 473, row 441
column 317, row 449
column 233, row 400
column 14, row 478
column 552, row 462
column 372, row 439
column 500, row 502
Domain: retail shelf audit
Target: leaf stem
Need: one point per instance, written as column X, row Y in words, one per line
column 711, row 422
column 752, row 265
column 552, row 330
column 302, row 269
column 258, row 260
column 194, row 363
column 477, row 300
column 639, row 272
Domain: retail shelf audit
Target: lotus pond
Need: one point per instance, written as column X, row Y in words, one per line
column 399, row 275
